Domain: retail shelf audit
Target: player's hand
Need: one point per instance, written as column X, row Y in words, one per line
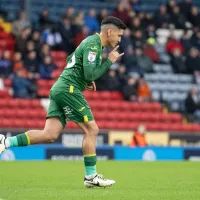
column 114, row 55
column 91, row 86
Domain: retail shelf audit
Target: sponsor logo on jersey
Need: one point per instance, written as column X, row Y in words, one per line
column 92, row 56
column 94, row 48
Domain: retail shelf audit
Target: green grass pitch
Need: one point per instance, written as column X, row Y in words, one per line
column 63, row 180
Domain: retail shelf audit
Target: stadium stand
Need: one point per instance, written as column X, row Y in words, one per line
column 168, row 88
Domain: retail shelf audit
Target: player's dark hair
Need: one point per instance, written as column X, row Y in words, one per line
column 115, row 21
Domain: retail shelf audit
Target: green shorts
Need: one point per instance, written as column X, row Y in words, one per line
column 69, row 104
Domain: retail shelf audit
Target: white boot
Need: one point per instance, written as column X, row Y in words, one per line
column 98, row 181
column 2, row 143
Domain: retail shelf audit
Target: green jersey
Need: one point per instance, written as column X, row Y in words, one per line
column 84, row 65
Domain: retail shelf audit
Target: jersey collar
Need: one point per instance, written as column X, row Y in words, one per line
column 100, row 40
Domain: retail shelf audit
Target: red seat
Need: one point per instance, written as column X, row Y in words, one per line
column 124, row 105
column 3, row 102
column 42, row 84
column 100, row 124
column 60, row 63
column 114, row 105
column 4, row 94
column 24, row 103
column 58, row 55
column 116, row 96
column 110, row 125
column 7, row 82
column 43, row 92
column 9, row 113
column 56, row 73
column 104, row 95
column 35, row 103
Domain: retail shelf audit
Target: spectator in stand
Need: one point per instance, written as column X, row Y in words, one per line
column 171, row 4
column 130, row 90
column 144, row 92
column 185, row 7
column 91, row 22
column 136, row 5
column 130, row 60
column 178, row 62
column 138, row 39
column 126, row 41
column 32, row 65
column 143, row 62
column 111, row 81
column 162, row 18
column 66, row 32
column 148, row 19
column 22, row 40
column 139, row 137
column 36, row 39
column 195, row 39
column 22, row 87
column 18, row 64
column 45, row 51
column 150, row 31
column 185, row 41
column 53, row 38
column 20, row 24
column 192, row 105
column 79, row 22
column 103, row 13
column 150, row 51
column 30, row 46
column 44, row 20
column 173, row 44
column 193, row 61
column 80, row 36
column 177, row 18
column 122, row 75
column 194, row 16
column 5, row 64
column 69, row 14
column 46, row 68
column 136, row 25
column 122, row 13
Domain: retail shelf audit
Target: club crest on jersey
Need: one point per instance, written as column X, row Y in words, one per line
column 92, row 56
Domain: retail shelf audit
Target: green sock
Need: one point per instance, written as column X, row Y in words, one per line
column 90, row 164
column 19, row 140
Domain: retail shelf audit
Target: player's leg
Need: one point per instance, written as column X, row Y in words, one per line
column 92, row 179
column 51, row 131
column 54, row 125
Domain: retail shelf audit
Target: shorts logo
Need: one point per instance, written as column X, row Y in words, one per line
column 81, row 109
column 92, row 56
column 67, row 111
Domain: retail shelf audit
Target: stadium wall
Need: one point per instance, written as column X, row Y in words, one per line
column 73, row 138
column 59, row 152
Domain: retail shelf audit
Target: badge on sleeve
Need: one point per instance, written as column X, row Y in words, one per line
column 92, row 56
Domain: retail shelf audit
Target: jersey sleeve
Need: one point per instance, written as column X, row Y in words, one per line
column 92, row 70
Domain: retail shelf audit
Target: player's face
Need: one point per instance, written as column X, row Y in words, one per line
column 114, row 36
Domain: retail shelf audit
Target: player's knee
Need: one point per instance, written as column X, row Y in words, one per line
column 50, row 137
column 94, row 130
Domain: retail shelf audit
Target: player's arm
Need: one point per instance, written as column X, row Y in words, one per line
column 91, row 70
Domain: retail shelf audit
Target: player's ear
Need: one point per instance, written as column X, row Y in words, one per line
column 109, row 32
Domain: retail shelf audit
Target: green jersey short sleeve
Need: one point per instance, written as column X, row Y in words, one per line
column 84, row 64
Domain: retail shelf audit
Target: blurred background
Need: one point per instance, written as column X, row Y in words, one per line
column 147, row 105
